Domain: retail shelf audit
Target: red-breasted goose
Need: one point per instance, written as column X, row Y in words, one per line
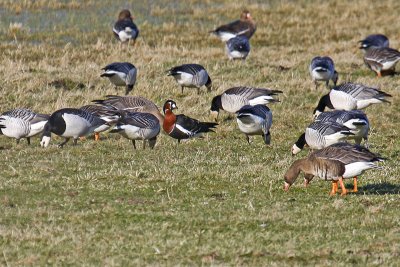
column 121, row 74
column 183, row 127
column 125, row 30
column 22, row 123
column 334, row 163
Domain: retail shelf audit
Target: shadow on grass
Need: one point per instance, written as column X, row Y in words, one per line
column 379, row 189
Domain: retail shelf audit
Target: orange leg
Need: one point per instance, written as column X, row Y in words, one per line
column 334, row 188
column 96, row 136
column 355, row 189
column 344, row 191
column 379, row 74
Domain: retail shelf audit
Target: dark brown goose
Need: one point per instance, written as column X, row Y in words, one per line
column 245, row 26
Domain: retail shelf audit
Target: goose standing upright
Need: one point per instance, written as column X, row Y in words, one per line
column 125, row 30
column 181, row 126
column 320, row 134
column 22, row 123
column 131, row 104
column 245, row 26
column 350, row 96
column 323, row 69
column 191, row 75
column 335, row 163
column 235, row 98
column 70, row 123
column 355, row 120
column 138, row 126
column 121, row 74
column 255, row 120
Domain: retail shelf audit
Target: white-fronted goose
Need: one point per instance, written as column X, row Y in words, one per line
column 121, row 74
column 381, row 60
column 334, row 163
column 22, row 123
column 245, row 26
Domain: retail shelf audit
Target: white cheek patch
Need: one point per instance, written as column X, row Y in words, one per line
column 45, row 141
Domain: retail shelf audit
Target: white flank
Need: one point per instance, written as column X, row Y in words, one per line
column 185, row 131
column 261, row 100
column 76, row 126
column 184, row 79
column 118, row 78
column 250, row 125
column 342, row 101
column 356, row 168
column 226, row 36
column 366, row 102
column 37, row 128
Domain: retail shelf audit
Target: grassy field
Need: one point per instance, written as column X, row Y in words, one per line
column 211, row 201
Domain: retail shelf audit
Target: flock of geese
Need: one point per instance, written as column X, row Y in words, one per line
column 137, row 118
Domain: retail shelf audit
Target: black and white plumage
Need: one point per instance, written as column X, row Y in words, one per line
column 323, row 69
column 70, row 123
column 238, row 47
column 22, row 123
column 355, row 120
column 183, row 127
column 381, row 59
column 121, row 74
column 374, row 40
column 245, row 26
column 351, row 96
column 191, row 75
column 108, row 114
column 131, row 104
column 255, row 120
column 235, row 98
column 125, row 30
column 138, row 126
column 320, row 134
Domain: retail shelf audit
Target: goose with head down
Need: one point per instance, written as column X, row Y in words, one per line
column 191, row 75
column 334, row 163
column 323, row 69
column 121, row 74
column 125, row 30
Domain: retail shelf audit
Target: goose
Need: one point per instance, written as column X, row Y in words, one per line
column 105, row 113
column 121, row 74
column 245, row 26
column 125, row 30
column 381, row 60
column 320, row 134
column 336, row 162
column 255, row 120
column 355, row 120
column 183, row 127
column 323, row 69
column 191, row 75
column 131, row 104
column 238, row 48
column 22, row 123
column 374, row 40
column 70, row 123
column 138, row 126
column 350, row 96
column 236, row 97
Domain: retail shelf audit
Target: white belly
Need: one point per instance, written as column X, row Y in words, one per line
column 251, row 126
column 185, row 79
column 137, row 133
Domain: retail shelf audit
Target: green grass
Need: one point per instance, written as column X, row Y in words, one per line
column 211, row 201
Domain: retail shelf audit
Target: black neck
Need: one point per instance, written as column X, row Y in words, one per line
column 216, row 103
column 301, row 141
column 325, row 101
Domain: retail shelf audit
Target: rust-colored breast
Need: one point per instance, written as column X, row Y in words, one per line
column 169, row 121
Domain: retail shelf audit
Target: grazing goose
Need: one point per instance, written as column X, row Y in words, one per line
column 350, row 96
column 323, row 69
column 131, row 104
column 183, row 127
column 70, row 123
column 235, row 98
column 105, row 113
column 191, row 75
column 381, row 60
column 255, row 120
column 245, row 26
column 335, row 163
column 22, row 123
column 374, row 40
column 238, row 47
column 124, row 29
column 355, row 120
column 121, row 74
column 320, row 134
column 138, row 126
